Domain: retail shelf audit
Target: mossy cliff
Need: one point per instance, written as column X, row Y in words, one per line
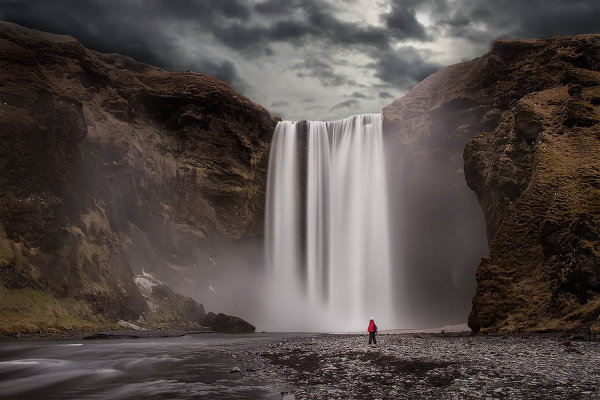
column 528, row 116
column 108, row 166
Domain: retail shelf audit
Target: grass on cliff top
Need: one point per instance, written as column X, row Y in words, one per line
column 32, row 311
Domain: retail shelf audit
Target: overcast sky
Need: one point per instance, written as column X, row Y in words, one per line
column 305, row 59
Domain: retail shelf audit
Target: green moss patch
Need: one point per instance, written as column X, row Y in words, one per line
column 33, row 311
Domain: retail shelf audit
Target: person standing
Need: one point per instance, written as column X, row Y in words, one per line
column 372, row 329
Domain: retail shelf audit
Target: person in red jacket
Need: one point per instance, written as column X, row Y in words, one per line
column 372, row 329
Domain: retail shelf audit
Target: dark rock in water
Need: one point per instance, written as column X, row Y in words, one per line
column 228, row 324
column 108, row 166
column 528, row 112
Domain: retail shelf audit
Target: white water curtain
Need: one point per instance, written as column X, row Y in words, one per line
column 327, row 232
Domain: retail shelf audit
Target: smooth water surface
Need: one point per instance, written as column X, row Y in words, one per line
column 188, row 367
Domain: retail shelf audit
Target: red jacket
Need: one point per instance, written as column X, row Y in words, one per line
column 372, row 327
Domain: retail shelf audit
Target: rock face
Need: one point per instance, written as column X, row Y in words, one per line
column 108, row 166
column 529, row 113
column 166, row 307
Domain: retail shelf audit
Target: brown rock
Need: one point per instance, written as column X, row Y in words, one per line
column 528, row 113
column 108, row 166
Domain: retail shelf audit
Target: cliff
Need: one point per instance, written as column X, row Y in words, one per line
column 527, row 115
column 108, row 166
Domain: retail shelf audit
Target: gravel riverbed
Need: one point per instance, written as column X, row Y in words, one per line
column 429, row 366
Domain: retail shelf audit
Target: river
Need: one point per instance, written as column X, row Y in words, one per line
column 188, row 367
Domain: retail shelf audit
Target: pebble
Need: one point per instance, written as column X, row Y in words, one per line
column 430, row 366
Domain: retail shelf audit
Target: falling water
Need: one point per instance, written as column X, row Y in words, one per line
column 327, row 234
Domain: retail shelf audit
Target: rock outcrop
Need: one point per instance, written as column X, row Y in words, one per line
column 108, row 166
column 529, row 114
column 166, row 307
column 228, row 324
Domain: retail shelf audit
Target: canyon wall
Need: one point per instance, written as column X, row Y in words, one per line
column 527, row 115
column 109, row 167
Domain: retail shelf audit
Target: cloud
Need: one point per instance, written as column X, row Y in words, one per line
column 316, row 49
column 148, row 33
column 482, row 21
column 353, row 103
column 321, row 70
column 403, row 67
column 360, row 95
column 279, row 103
column 402, row 22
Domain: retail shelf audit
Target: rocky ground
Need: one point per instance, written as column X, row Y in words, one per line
column 430, row 366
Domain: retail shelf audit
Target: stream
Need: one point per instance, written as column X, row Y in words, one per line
column 188, row 367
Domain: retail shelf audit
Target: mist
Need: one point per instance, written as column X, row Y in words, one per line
column 437, row 236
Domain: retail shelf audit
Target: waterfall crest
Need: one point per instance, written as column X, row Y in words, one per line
column 327, row 234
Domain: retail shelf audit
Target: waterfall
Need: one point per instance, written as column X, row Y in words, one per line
column 327, row 234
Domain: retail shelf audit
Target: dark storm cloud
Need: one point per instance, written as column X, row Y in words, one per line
column 317, row 19
column 482, row 21
column 385, row 95
column 321, row 70
column 402, row 21
column 345, row 104
column 403, row 67
column 147, row 30
column 138, row 30
column 220, row 37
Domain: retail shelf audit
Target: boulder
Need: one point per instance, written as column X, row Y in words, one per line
column 229, row 324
